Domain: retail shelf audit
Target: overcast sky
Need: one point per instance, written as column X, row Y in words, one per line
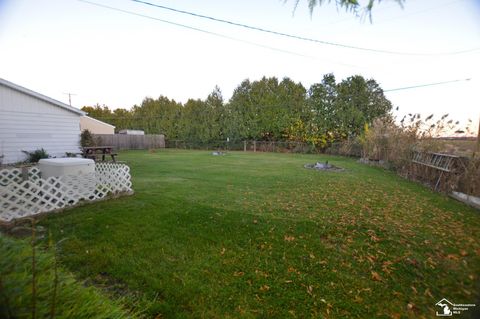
column 115, row 58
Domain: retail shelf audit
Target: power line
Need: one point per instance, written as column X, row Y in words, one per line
column 292, row 36
column 423, row 85
column 211, row 33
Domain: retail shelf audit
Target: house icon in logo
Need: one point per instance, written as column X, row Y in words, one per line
column 446, row 308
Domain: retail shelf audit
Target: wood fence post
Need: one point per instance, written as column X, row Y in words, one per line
column 254, row 145
column 478, row 139
column 244, row 146
column 24, row 173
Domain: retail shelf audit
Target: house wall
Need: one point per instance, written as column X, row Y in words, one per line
column 95, row 127
column 28, row 123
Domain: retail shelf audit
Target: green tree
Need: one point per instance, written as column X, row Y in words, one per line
column 122, row 119
column 216, row 115
column 157, row 116
column 350, row 5
column 102, row 113
column 359, row 101
column 194, row 122
column 322, row 105
column 266, row 108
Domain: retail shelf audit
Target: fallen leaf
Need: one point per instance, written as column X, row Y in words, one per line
column 265, row 288
column 411, row 306
column 428, row 293
column 371, row 258
column 310, row 290
column 412, row 262
column 452, row 257
column 289, row 238
column 376, row 276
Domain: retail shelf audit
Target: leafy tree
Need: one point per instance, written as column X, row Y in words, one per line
column 350, row 5
column 99, row 112
column 267, row 109
column 359, row 101
column 216, row 115
column 194, row 121
column 158, row 116
column 241, row 113
column 323, row 112
column 122, row 119
column 264, row 109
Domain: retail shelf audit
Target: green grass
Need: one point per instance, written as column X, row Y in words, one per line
column 256, row 235
column 59, row 298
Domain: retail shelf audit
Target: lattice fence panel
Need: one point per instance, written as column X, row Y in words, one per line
column 21, row 198
column 15, row 175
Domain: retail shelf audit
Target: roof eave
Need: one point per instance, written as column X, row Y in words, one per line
column 40, row 96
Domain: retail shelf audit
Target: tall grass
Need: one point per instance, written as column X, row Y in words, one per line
column 33, row 286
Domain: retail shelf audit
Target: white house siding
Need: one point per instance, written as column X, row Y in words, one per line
column 29, row 123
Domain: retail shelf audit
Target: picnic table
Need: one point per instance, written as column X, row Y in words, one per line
column 94, row 152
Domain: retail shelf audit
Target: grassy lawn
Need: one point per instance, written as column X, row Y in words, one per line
column 257, row 235
column 57, row 293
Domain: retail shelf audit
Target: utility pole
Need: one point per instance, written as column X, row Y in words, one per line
column 70, row 97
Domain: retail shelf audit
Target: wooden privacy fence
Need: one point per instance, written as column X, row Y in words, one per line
column 131, row 142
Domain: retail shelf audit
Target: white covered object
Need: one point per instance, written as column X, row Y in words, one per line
column 65, row 166
column 77, row 174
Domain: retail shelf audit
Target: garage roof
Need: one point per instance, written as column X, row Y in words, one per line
column 40, row 96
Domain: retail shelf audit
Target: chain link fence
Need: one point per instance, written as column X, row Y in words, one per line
column 245, row 145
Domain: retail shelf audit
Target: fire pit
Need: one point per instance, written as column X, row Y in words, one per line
column 324, row 167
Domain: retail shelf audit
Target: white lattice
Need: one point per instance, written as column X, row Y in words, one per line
column 15, row 175
column 21, row 198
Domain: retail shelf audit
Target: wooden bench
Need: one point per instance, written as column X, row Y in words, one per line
column 97, row 157
column 97, row 152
